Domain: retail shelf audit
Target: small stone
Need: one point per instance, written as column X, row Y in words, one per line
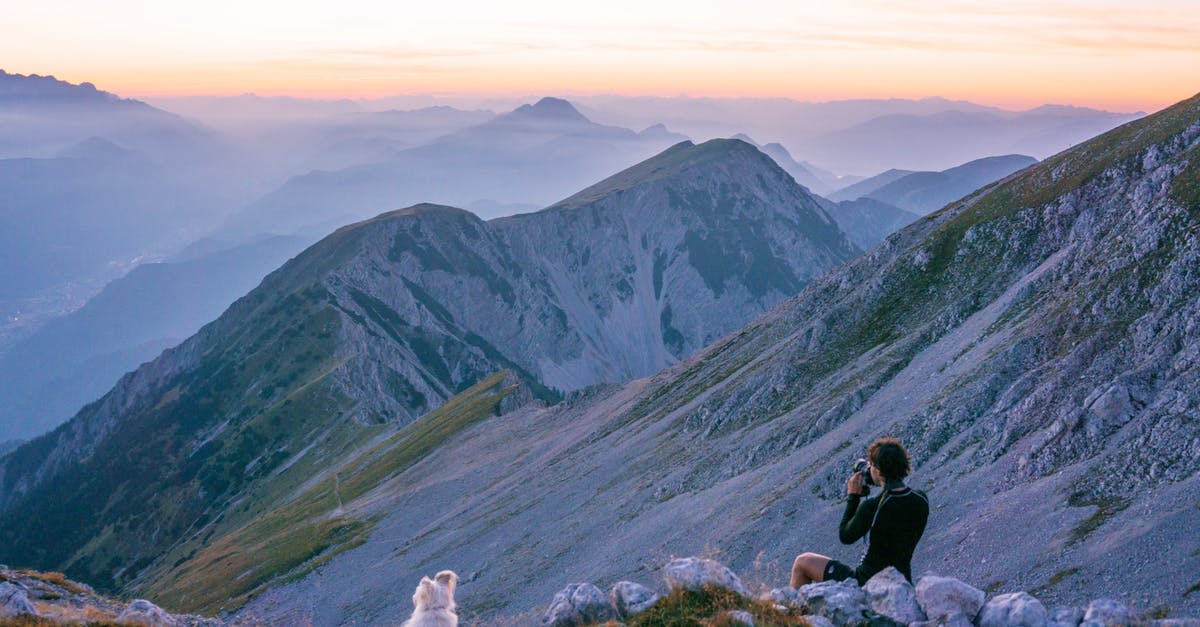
column 788, row 597
column 577, row 604
column 740, row 617
column 843, row 602
column 694, row 573
column 629, row 598
column 891, row 595
column 1015, row 609
column 144, row 613
column 816, row 620
column 941, row 597
column 14, row 601
column 1107, row 612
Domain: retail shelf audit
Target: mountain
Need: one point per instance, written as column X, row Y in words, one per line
column 44, row 115
column 866, row 221
column 1033, row 345
column 47, row 377
column 536, row 154
column 868, row 185
column 924, row 192
column 384, row 339
column 939, row 140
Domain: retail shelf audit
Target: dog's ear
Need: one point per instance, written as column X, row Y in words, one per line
column 447, row 578
column 424, row 595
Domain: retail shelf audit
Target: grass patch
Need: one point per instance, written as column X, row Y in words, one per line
column 1106, row 508
column 704, row 608
column 308, row 531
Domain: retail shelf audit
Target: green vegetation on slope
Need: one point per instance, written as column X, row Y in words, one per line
column 308, row 529
column 704, row 608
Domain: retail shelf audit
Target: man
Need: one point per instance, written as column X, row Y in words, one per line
column 893, row 521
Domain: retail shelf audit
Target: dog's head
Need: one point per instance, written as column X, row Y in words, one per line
column 436, row 593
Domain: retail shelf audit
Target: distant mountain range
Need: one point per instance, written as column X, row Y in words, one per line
column 924, row 192
column 860, row 137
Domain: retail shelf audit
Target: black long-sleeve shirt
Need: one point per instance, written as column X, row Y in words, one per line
column 897, row 528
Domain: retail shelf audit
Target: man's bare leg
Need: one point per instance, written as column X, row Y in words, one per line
column 808, row 568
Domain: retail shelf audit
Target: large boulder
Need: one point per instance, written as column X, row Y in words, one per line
column 1103, row 612
column 943, row 597
column 629, row 598
column 694, row 573
column 146, row 614
column 842, row 602
column 890, row 594
column 1015, row 609
column 14, row 601
column 578, row 604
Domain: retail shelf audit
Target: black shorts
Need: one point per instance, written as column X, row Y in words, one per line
column 837, row 571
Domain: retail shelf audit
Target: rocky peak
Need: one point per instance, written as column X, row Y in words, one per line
column 548, row 109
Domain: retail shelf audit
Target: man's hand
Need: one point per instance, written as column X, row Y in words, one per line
column 854, row 485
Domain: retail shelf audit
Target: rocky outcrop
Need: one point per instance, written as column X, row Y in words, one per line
column 887, row 599
column 891, row 595
column 51, row 598
column 578, row 604
column 696, row 573
column 945, row 598
column 1017, row 609
column 628, row 598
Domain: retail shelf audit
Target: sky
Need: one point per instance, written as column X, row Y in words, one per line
column 1117, row 54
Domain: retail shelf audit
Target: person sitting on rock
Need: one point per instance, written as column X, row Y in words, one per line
column 893, row 521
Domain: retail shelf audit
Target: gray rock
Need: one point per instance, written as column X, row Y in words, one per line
column 816, row 620
column 1016, row 609
column 694, row 573
column 843, row 602
column 629, row 598
column 942, row 597
column 1065, row 617
column 891, row 595
column 1174, row 622
column 1107, row 612
column 147, row 614
column 14, row 601
column 788, row 597
column 740, row 617
column 577, row 604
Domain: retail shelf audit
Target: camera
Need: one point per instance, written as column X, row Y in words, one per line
column 861, row 465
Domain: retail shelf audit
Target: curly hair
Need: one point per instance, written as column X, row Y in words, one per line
column 889, row 456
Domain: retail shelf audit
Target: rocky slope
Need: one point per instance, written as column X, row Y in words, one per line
column 1034, row 345
column 376, row 326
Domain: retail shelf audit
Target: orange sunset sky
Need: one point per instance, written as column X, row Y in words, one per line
column 1123, row 55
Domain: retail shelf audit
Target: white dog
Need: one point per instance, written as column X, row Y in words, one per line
column 434, row 602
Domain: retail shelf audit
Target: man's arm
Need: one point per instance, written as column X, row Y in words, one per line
column 856, row 520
